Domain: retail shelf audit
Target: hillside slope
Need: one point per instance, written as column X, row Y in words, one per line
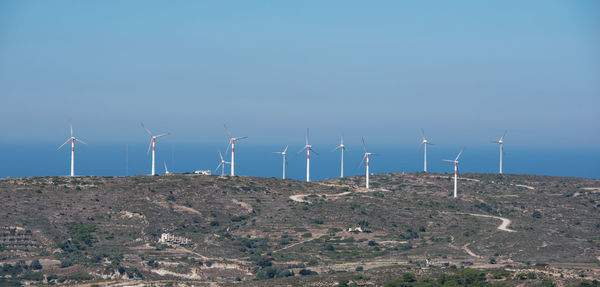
column 241, row 228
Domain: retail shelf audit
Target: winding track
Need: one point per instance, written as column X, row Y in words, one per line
column 503, row 226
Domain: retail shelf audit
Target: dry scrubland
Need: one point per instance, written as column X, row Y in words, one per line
column 272, row 232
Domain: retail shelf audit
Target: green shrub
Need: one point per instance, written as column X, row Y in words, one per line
column 238, row 218
column 304, row 272
column 34, row 276
column 35, row 265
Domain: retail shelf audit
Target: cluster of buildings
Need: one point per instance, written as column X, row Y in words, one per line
column 169, row 238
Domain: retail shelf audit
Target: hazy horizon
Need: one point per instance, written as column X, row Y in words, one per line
column 258, row 160
column 465, row 71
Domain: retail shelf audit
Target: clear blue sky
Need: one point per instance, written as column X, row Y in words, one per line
column 463, row 70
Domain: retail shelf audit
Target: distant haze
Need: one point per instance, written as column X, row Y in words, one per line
column 465, row 71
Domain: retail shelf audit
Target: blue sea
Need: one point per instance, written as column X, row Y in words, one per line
column 25, row 160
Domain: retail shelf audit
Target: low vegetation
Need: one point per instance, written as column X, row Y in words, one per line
column 407, row 231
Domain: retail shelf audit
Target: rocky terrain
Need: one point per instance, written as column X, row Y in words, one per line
column 515, row 229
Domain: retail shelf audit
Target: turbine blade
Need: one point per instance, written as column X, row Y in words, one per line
column 336, row 148
column 63, row 144
column 314, row 151
column 81, row 141
column 458, row 155
column 146, row 129
column 227, row 148
column 423, row 133
column 162, row 135
column 71, row 128
column 342, row 143
column 285, row 150
column 220, row 155
column 217, row 168
column 304, row 148
column 502, row 138
column 240, row 138
column 307, row 139
column 447, row 160
column 227, row 130
column 149, row 147
column 165, row 163
column 363, row 160
column 364, row 144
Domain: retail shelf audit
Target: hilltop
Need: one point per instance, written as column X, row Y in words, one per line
column 247, row 230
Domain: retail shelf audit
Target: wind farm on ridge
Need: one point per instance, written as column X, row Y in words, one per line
column 307, row 147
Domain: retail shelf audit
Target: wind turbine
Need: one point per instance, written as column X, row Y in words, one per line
column 341, row 147
column 152, row 144
column 455, row 161
column 501, row 149
column 366, row 156
column 424, row 143
column 283, row 153
column 308, row 148
column 72, row 139
column 232, row 143
column 167, row 172
column 222, row 164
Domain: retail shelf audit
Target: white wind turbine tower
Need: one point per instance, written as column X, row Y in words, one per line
column 283, row 153
column 308, row 148
column 342, row 148
column 366, row 156
column 424, row 143
column 222, row 164
column 500, row 141
column 455, row 161
column 152, row 144
column 72, row 139
column 232, row 141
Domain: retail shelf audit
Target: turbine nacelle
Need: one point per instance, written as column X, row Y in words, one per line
column 424, row 140
column 366, row 154
column 152, row 137
column 501, row 140
column 222, row 163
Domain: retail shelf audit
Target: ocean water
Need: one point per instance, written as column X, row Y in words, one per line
column 26, row 160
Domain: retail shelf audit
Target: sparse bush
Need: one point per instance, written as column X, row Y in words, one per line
column 35, row 265
column 316, row 221
column 304, row 272
column 238, row 218
column 152, row 263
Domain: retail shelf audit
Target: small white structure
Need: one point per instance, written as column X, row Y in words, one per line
column 355, row 229
column 172, row 239
column 203, row 172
